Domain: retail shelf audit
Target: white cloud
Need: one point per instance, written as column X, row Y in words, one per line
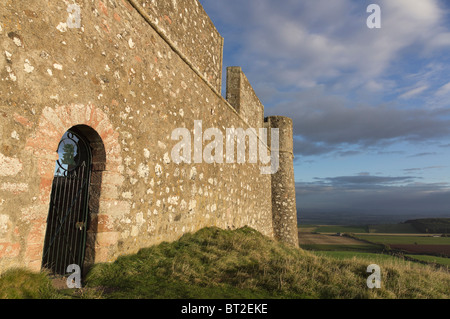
column 317, row 62
column 414, row 12
column 414, row 92
column 330, row 123
column 444, row 90
column 305, row 43
column 440, row 40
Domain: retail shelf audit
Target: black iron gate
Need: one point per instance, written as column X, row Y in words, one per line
column 65, row 239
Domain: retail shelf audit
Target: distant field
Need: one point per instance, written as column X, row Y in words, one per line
column 361, row 229
column 372, row 258
column 412, row 244
column 424, row 249
column 307, row 228
column 392, row 228
column 367, row 248
column 341, row 229
column 406, row 240
column 322, row 242
column 322, row 239
column 433, row 259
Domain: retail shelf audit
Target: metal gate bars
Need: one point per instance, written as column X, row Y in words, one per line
column 65, row 239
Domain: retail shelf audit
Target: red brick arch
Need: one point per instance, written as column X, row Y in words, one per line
column 106, row 176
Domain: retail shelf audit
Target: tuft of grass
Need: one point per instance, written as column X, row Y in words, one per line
column 215, row 263
column 20, row 283
column 23, row 284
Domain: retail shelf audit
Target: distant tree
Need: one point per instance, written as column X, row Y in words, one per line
column 68, row 155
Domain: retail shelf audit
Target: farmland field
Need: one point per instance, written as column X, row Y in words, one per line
column 419, row 239
column 433, row 259
column 392, row 228
column 412, row 243
column 341, row 229
column 424, row 249
column 360, row 229
column 367, row 242
column 325, row 239
column 327, row 242
column 370, row 257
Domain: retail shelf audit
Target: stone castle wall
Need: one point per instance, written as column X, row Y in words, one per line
column 186, row 24
column 242, row 97
column 126, row 78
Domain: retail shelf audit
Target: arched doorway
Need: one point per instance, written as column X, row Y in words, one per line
column 68, row 216
column 94, row 125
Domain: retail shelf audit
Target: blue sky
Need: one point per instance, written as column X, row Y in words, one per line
column 371, row 107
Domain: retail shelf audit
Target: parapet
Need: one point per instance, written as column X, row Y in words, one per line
column 186, row 24
column 242, row 97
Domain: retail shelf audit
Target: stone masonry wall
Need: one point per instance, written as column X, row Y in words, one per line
column 126, row 87
column 187, row 25
column 241, row 95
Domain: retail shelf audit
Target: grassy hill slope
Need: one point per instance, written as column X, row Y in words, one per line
column 215, row 263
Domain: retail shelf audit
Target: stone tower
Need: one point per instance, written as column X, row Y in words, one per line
column 284, row 210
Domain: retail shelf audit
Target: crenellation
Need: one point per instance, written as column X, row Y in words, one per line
column 242, row 97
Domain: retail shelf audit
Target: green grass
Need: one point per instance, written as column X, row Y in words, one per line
column 23, row 284
column 341, row 229
column 216, row 263
column 432, row 259
column 212, row 263
column 307, row 227
column 400, row 228
column 392, row 228
column 369, row 258
column 344, row 247
column 242, row 264
column 19, row 283
column 392, row 239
